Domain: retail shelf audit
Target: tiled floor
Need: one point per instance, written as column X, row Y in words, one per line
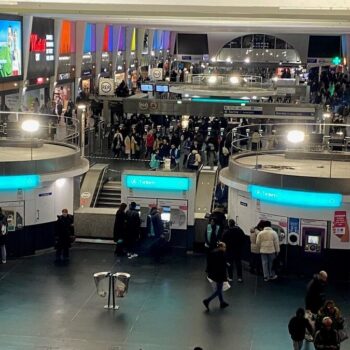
column 43, row 306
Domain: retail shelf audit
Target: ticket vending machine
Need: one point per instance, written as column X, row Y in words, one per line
column 166, row 219
column 313, row 238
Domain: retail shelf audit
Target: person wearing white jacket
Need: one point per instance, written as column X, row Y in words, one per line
column 268, row 244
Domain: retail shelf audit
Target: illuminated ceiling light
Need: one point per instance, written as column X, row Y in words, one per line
column 60, row 182
column 254, row 97
column 247, row 60
column 326, row 115
column 30, row 125
column 234, row 80
column 296, row 136
column 212, row 79
column 228, row 60
column 187, row 95
column 213, row 59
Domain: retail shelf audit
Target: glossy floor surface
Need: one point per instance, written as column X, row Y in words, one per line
column 46, row 306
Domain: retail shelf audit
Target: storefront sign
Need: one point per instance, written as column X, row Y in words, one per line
column 106, row 87
column 63, row 76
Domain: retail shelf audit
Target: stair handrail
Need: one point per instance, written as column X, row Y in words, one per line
column 99, row 186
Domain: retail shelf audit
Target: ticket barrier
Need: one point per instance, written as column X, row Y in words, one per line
column 113, row 285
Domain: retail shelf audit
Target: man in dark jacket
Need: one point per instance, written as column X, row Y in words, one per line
column 64, row 235
column 3, row 236
column 155, row 228
column 133, row 223
column 220, row 218
column 119, row 231
column 315, row 296
column 327, row 338
column 216, row 270
column 297, row 328
column 234, row 240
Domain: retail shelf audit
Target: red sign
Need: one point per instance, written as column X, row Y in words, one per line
column 340, row 225
column 40, row 80
column 37, row 44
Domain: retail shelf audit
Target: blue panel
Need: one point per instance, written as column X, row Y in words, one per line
column 19, row 181
column 166, row 183
column 296, row 198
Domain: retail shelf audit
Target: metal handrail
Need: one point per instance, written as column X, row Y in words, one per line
column 99, row 187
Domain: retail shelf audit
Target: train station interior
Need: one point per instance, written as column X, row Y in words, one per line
column 174, row 176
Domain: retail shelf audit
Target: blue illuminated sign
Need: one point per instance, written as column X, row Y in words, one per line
column 296, row 198
column 19, row 181
column 157, row 182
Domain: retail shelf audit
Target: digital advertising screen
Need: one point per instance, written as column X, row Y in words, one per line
column 162, row 88
column 10, row 48
column 41, row 49
column 147, row 87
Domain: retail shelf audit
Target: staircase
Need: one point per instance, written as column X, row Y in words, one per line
column 110, row 195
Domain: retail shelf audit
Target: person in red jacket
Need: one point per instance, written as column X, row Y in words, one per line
column 149, row 143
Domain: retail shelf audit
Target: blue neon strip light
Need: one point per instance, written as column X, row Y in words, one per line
column 157, row 182
column 19, row 181
column 296, row 198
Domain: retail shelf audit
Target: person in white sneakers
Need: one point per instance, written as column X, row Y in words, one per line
column 268, row 244
column 3, row 234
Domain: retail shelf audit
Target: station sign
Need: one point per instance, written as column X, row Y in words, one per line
column 154, row 183
column 234, row 110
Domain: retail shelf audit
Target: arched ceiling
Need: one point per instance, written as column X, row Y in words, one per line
column 312, row 16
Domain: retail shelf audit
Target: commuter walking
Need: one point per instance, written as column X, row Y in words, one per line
column 315, row 292
column 268, row 244
column 3, row 235
column 330, row 310
column 133, row 223
column 255, row 261
column 216, row 270
column 297, row 328
column 119, row 230
column 155, row 229
column 234, row 239
column 327, row 338
column 64, row 235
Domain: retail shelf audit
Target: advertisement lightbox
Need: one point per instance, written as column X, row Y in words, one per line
column 10, row 48
column 41, row 50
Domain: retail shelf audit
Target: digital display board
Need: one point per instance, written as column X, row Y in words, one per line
column 162, row 88
column 10, row 48
column 41, row 50
column 19, row 181
column 147, row 87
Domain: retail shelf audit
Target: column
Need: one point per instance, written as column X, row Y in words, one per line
column 79, row 48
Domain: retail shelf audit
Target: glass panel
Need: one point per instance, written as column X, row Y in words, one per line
column 269, row 42
column 247, row 41
column 280, row 44
column 258, row 42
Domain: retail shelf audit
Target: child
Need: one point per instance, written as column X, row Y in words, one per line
column 297, row 328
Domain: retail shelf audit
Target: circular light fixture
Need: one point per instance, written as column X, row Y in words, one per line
column 234, row 80
column 212, row 79
column 326, row 115
column 247, row 60
column 30, row 125
column 295, row 136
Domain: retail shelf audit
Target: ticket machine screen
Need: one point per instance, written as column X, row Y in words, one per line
column 313, row 239
column 165, row 214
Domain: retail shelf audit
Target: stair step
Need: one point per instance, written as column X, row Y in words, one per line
column 103, row 204
column 110, row 194
column 107, row 199
column 114, row 188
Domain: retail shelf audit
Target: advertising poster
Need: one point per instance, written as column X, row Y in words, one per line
column 340, row 231
column 41, row 50
column 178, row 212
column 10, row 48
column 14, row 212
column 293, row 225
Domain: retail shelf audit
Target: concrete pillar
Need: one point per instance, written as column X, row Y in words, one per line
column 57, row 39
column 100, row 27
column 116, row 30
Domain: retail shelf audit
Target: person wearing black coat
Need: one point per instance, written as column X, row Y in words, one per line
column 297, row 327
column 119, row 230
column 234, row 240
column 216, row 270
column 133, row 223
column 155, row 228
column 64, row 235
column 327, row 338
column 3, row 236
column 315, row 295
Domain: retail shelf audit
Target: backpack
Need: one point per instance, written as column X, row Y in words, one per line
column 191, row 159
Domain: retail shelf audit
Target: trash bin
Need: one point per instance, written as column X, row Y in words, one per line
column 101, row 281
column 121, row 283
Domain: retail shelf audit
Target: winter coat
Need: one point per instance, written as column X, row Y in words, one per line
column 127, row 144
column 64, row 231
column 3, row 222
column 234, row 239
column 327, row 339
column 133, row 223
column 216, row 266
column 297, row 327
column 253, row 246
column 119, row 226
column 267, row 241
column 212, row 236
column 315, row 296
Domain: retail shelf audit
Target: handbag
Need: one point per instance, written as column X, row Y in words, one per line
column 226, row 286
